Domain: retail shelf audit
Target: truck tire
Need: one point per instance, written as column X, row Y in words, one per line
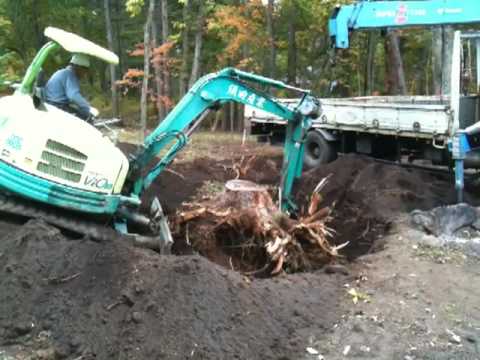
column 318, row 150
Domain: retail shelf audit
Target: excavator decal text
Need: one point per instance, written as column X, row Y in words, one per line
column 244, row 95
column 14, row 142
column 99, row 182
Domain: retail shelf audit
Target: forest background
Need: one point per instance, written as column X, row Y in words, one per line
column 283, row 39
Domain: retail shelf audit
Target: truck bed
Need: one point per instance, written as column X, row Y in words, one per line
column 406, row 116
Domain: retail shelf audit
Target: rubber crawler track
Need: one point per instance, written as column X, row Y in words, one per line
column 57, row 217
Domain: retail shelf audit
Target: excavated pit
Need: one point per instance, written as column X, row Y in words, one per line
column 364, row 194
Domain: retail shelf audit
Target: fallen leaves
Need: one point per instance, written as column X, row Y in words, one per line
column 358, row 296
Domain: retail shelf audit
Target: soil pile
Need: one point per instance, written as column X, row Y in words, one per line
column 366, row 195
column 382, row 189
column 70, row 299
column 186, row 179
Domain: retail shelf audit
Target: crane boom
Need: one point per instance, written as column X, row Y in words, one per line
column 384, row 14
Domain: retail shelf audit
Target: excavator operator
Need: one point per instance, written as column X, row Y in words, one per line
column 63, row 89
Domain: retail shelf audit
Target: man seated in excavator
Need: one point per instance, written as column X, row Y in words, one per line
column 63, row 88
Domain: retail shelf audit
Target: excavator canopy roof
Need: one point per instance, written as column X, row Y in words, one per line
column 76, row 44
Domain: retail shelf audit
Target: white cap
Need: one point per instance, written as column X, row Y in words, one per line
column 80, row 60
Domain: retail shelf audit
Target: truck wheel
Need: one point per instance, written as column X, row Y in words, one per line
column 318, row 150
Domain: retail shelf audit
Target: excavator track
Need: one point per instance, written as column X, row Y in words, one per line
column 57, row 217
column 77, row 223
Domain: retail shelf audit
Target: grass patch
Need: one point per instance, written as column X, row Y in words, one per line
column 440, row 255
column 217, row 145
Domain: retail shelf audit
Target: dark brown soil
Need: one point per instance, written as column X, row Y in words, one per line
column 173, row 188
column 113, row 301
column 368, row 194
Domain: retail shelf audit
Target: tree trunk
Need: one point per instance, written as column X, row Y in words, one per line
column 232, row 116
column 165, row 38
column 442, row 49
column 36, row 27
column 447, row 49
column 198, row 45
column 183, row 79
column 113, row 77
column 159, row 88
column 396, row 84
column 272, row 58
column 146, row 70
column 437, row 60
column 118, row 39
column 226, row 116
column 292, row 45
column 370, row 65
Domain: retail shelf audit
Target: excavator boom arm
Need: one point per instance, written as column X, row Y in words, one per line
column 209, row 93
column 386, row 14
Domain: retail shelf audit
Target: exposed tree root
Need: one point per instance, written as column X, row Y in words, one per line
column 244, row 224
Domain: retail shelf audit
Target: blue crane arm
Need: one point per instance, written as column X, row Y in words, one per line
column 209, row 93
column 385, row 14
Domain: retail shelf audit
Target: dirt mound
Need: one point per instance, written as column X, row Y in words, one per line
column 384, row 189
column 367, row 194
column 111, row 301
column 183, row 183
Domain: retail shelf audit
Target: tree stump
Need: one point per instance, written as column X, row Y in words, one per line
column 246, row 225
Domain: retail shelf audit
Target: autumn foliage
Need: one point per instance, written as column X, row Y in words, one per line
column 241, row 27
column 159, row 59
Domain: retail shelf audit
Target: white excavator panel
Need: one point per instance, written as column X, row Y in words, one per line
column 57, row 146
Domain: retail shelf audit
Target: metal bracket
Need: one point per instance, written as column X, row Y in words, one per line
column 160, row 226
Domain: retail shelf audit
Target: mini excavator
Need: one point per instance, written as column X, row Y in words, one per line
column 62, row 169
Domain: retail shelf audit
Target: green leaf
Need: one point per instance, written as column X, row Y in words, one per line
column 134, row 7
